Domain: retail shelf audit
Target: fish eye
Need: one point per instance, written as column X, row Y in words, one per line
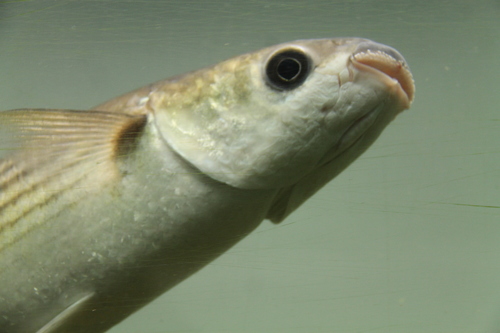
column 287, row 69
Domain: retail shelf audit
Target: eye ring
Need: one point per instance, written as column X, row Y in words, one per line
column 287, row 69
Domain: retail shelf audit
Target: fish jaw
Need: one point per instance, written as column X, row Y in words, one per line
column 386, row 72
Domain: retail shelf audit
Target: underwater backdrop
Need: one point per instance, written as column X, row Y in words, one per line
column 407, row 239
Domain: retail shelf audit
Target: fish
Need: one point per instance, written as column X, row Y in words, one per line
column 103, row 210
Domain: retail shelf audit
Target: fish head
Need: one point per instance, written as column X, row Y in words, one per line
column 271, row 118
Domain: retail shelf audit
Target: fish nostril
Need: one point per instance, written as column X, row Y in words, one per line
column 328, row 106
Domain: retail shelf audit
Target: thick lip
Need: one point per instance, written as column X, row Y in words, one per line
column 395, row 73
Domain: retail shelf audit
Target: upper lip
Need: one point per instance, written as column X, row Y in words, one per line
column 395, row 71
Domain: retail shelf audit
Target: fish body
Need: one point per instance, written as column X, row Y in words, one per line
column 102, row 211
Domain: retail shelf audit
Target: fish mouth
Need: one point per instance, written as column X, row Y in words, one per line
column 390, row 67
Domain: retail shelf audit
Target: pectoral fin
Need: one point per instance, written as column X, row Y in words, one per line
column 71, row 311
column 34, row 132
column 46, row 154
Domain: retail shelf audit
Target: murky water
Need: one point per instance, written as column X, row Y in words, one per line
column 406, row 240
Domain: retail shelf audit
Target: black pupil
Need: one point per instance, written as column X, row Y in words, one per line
column 288, row 69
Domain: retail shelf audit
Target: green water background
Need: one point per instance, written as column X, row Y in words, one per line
column 406, row 240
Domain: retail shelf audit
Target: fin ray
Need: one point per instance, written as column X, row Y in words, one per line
column 53, row 325
column 38, row 164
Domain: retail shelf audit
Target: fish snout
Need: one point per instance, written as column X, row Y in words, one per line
column 389, row 65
